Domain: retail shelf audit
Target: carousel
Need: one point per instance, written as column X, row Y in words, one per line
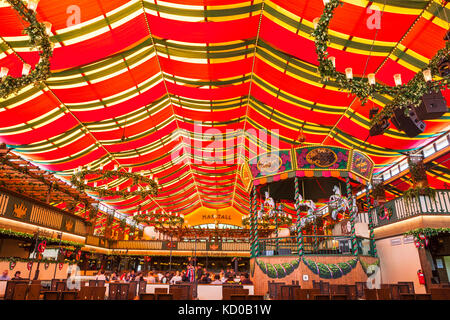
column 298, row 198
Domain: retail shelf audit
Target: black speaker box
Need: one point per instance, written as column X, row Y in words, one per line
column 409, row 122
column 433, row 106
column 379, row 128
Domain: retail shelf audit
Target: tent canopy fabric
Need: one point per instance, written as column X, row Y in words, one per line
column 184, row 89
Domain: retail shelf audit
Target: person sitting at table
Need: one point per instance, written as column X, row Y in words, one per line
column 17, row 276
column 176, row 278
column 101, row 275
column 204, row 279
column 151, row 278
column 160, row 276
column 230, row 279
column 123, row 276
column 5, row 276
column 139, row 277
column 132, row 275
column 244, row 279
column 113, row 277
column 216, row 279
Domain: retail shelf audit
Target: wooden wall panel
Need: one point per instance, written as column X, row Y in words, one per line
column 260, row 279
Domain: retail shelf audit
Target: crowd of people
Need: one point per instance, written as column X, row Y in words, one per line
column 191, row 274
column 5, row 276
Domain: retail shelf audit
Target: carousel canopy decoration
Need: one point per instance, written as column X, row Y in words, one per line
column 311, row 161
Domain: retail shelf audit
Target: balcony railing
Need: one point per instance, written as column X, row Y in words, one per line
column 400, row 209
column 313, row 245
column 168, row 245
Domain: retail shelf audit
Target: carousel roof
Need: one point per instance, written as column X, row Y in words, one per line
column 136, row 83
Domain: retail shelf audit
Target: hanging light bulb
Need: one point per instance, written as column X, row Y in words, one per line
column 4, row 72
column 48, row 27
column 371, row 77
column 129, row 189
column 349, row 73
column 32, row 4
column 116, row 167
column 316, row 22
column 151, row 176
column 117, row 189
column 427, row 75
column 398, row 79
column 95, row 184
column 85, row 181
column 333, row 61
column 139, row 188
column 325, row 2
column 130, row 169
column 26, row 69
column 156, row 180
column 101, row 167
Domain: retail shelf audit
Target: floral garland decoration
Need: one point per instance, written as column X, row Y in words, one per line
column 17, row 234
column 265, row 222
column 416, row 192
column 422, row 235
column 38, row 39
column 369, row 268
column 151, row 188
column 331, row 270
column 403, row 95
column 278, row 270
column 13, row 261
column 159, row 219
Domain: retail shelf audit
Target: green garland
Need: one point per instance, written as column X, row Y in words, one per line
column 14, row 260
column 171, row 220
column 428, row 232
column 278, row 270
column 17, row 234
column 367, row 266
column 330, row 270
column 403, row 95
column 38, row 39
column 150, row 190
column 265, row 222
column 416, row 192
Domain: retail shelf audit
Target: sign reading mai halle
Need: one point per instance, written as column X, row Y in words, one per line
column 216, row 217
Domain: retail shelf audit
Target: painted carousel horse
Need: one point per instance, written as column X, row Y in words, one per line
column 337, row 203
column 311, row 211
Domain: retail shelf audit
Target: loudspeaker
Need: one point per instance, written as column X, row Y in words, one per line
column 410, row 122
column 379, row 128
column 433, row 106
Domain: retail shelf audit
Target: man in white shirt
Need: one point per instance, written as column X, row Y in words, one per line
column 176, row 278
column 101, row 275
column 160, row 276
